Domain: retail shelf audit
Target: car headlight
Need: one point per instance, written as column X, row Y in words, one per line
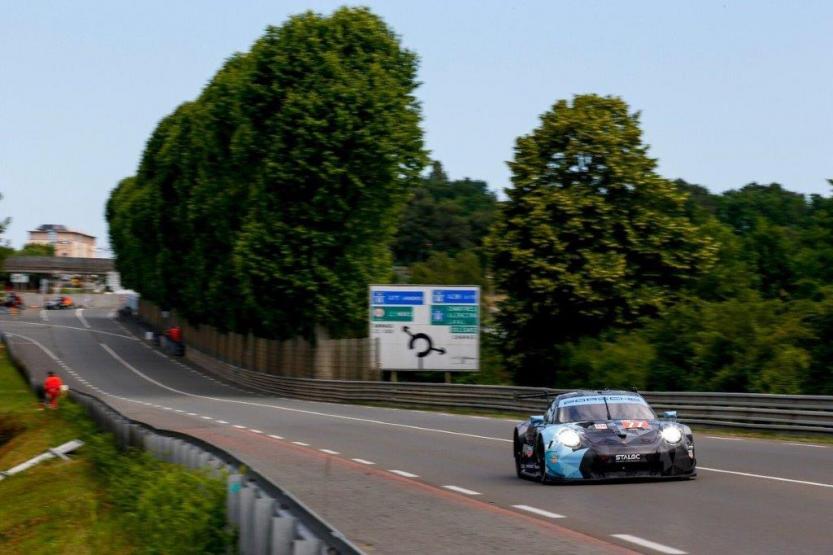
column 672, row 435
column 569, row 438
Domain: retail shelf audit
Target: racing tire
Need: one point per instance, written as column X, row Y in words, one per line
column 516, row 449
column 542, row 464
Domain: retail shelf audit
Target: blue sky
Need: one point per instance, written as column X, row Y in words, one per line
column 730, row 92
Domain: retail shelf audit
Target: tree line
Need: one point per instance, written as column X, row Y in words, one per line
column 270, row 202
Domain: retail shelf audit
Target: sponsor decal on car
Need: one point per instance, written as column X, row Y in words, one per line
column 629, row 457
column 600, row 426
column 600, row 399
column 635, row 424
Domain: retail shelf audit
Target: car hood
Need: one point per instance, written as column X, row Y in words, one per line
column 621, row 432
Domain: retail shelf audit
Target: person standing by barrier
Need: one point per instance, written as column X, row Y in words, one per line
column 174, row 334
column 52, row 387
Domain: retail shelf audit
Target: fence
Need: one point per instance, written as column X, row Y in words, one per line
column 268, row 519
column 339, row 359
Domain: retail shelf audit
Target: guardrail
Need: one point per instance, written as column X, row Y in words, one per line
column 795, row 413
column 268, row 518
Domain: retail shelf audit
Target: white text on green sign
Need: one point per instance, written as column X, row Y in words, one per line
column 454, row 315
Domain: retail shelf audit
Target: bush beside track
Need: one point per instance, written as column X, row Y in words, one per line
column 103, row 500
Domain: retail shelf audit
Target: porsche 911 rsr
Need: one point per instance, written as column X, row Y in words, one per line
column 599, row 435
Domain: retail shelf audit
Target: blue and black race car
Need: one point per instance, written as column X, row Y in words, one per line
column 599, row 435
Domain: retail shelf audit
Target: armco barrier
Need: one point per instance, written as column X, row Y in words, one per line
column 269, row 519
column 810, row 414
column 795, row 413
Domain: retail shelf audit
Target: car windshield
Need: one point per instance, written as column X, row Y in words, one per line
column 582, row 409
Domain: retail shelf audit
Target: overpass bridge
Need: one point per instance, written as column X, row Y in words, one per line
column 58, row 265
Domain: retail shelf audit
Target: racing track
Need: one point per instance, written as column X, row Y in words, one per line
column 400, row 481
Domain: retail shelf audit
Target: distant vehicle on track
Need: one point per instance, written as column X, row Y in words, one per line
column 13, row 300
column 602, row 435
column 59, row 303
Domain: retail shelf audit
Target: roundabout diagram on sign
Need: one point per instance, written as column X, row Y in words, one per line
column 422, row 337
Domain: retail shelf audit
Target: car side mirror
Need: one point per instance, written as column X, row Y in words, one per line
column 536, row 420
column 670, row 415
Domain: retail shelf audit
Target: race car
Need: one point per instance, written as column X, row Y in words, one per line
column 602, row 435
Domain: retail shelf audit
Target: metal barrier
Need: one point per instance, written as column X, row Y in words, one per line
column 269, row 519
column 795, row 413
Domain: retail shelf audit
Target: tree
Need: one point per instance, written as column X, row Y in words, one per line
column 35, row 249
column 744, row 208
column 590, row 237
column 5, row 250
column 338, row 147
column 442, row 269
column 444, row 216
column 269, row 203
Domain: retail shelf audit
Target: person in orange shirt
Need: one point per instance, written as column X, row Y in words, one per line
column 52, row 389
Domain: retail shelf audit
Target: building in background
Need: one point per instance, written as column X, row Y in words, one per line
column 66, row 241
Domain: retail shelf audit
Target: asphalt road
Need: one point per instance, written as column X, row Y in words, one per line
column 404, row 481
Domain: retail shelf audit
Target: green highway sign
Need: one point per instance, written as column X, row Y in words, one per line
column 392, row 314
column 454, row 315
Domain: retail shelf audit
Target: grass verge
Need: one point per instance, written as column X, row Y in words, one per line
column 103, row 500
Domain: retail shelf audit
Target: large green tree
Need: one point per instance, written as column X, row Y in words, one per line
column 338, row 146
column 269, row 203
column 444, row 216
column 35, row 249
column 591, row 237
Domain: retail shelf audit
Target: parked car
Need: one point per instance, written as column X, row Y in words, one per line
column 602, row 435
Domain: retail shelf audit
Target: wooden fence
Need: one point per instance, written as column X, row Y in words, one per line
column 333, row 359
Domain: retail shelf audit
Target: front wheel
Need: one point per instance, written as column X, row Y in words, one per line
column 540, row 456
column 516, row 450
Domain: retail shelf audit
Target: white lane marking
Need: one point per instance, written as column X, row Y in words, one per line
column 776, row 478
column 192, row 414
column 239, row 427
column 288, row 409
column 43, row 315
column 273, row 436
column 301, row 443
column 130, row 337
column 255, row 431
column 179, row 411
column 351, row 418
column 329, row 451
column 649, row 544
column 405, row 474
column 79, row 312
column 464, row 491
column 207, row 418
column 540, row 512
column 363, row 461
column 222, row 422
column 807, row 444
column 726, row 438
